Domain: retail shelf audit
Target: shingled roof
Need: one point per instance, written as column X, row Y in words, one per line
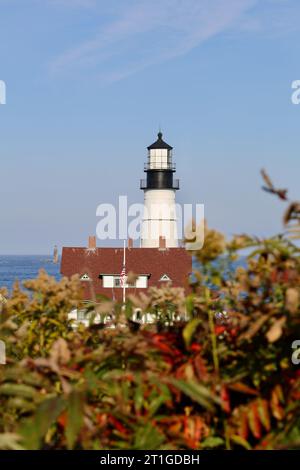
column 175, row 262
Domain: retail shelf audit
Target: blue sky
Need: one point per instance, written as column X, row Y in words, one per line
column 89, row 82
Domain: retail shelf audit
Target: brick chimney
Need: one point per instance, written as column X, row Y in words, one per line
column 92, row 243
column 162, row 243
column 130, row 243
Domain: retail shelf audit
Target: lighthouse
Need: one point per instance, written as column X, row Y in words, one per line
column 159, row 218
column 158, row 261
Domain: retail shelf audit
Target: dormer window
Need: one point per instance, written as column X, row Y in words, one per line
column 85, row 277
column 165, row 278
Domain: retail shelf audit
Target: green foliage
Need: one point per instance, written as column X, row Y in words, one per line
column 213, row 382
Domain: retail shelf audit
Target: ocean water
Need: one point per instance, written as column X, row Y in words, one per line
column 24, row 268
column 27, row 267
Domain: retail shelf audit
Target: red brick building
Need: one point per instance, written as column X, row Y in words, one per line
column 100, row 268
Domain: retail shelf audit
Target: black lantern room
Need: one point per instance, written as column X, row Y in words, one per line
column 159, row 167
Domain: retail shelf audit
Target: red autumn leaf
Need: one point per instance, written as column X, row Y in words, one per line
column 219, row 329
column 254, row 420
column 263, row 411
column 242, row 388
column 225, row 399
column 62, row 420
column 276, row 398
column 117, row 424
column 195, row 347
column 233, row 332
column 244, row 427
column 159, row 342
column 200, row 367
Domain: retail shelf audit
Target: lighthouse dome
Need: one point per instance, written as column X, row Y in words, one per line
column 160, row 144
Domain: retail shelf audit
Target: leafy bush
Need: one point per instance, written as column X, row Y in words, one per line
column 222, row 380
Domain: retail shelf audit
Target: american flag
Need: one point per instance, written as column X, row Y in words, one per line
column 123, row 277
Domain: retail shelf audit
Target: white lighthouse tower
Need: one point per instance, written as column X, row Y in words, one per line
column 159, row 219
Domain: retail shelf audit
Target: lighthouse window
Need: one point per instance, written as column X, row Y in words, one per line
column 159, row 159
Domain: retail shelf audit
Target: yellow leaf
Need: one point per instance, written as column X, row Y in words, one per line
column 275, row 331
column 292, row 300
column 189, row 330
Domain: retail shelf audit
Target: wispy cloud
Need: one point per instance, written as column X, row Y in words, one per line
column 149, row 32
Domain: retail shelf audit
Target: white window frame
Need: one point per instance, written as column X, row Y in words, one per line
column 114, row 281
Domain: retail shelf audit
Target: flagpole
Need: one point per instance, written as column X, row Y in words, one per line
column 124, row 283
